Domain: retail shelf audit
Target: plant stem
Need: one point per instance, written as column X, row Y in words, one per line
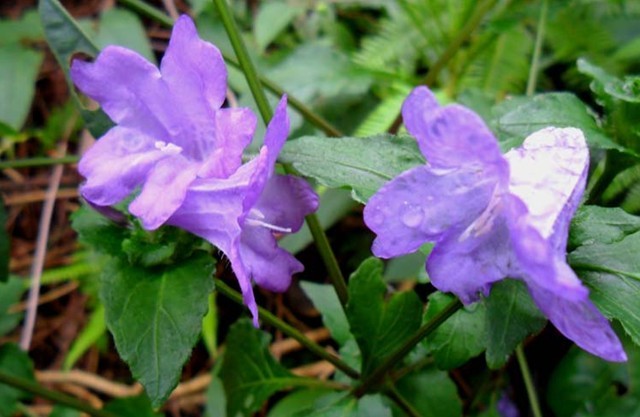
column 38, row 162
column 446, row 56
column 59, row 398
column 290, row 331
column 535, row 58
column 374, row 377
column 319, row 237
column 528, row 382
column 314, row 118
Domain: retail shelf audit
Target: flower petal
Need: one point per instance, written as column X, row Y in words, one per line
column 450, row 136
column 195, row 75
column 129, row 89
column 421, row 204
column 116, row 164
column 270, row 266
column 163, row 191
column 467, row 263
column 548, row 173
column 579, row 320
column 192, row 68
column 285, row 201
column 234, row 131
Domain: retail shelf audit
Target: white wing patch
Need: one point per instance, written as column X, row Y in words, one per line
column 546, row 172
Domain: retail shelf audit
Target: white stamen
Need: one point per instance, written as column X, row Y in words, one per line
column 256, row 222
column 170, row 148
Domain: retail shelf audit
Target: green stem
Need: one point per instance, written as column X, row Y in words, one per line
column 314, row 118
column 38, row 162
column 319, row 237
column 289, row 330
column 535, row 59
column 528, row 382
column 242, row 53
column 62, row 399
column 397, row 355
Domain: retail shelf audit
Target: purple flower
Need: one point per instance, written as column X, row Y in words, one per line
column 174, row 143
column 492, row 216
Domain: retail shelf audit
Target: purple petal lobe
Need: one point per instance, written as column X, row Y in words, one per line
column 450, row 136
column 116, row 165
column 277, row 131
column 580, row 321
column 285, row 201
column 163, row 191
column 548, row 173
column 129, row 89
column 423, row 203
column 270, row 266
column 467, row 262
column 194, row 69
column 234, row 131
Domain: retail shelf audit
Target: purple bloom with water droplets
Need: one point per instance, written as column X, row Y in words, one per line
column 492, row 216
column 174, row 142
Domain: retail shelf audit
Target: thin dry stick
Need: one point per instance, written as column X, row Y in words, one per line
column 37, row 196
column 48, row 297
column 41, row 249
column 170, row 5
column 89, row 380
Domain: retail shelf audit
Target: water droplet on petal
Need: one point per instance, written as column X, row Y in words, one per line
column 375, row 217
column 412, row 216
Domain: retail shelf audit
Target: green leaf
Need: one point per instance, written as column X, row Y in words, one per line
column 379, row 326
column 60, row 411
column 95, row 328
column 5, row 247
column 511, row 316
column 297, row 401
column 122, row 27
column 431, row 392
column 66, row 38
column 362, row 164
column 458, row 339
column 326, row 300
column 249, row 373
column 216, row 405
column 19, row 68
column 13, row 361
column 518, row 117
column 10, row 293
column 98, row 231
column 341, row 405
column 155, row 316
column 132, row 407
column 273, row 17
column 25, row 30
column 608, row 263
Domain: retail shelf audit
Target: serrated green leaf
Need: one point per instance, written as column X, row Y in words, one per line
column 518, row 117
column 341, row 405
column 362, row 164
column 98, row 231
column 66, row 38
column 511, row 316
column 297, row 401
column 122, row 27
column 431, row 392
column 378, row 325
column 593, row 224
column 13, row 361
column 458, row 339
column 10, row 293
column 326, row 300
column 19, row 68
column 607, row 261
column 249, row 373
column 5, row 248
column 155, row 316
